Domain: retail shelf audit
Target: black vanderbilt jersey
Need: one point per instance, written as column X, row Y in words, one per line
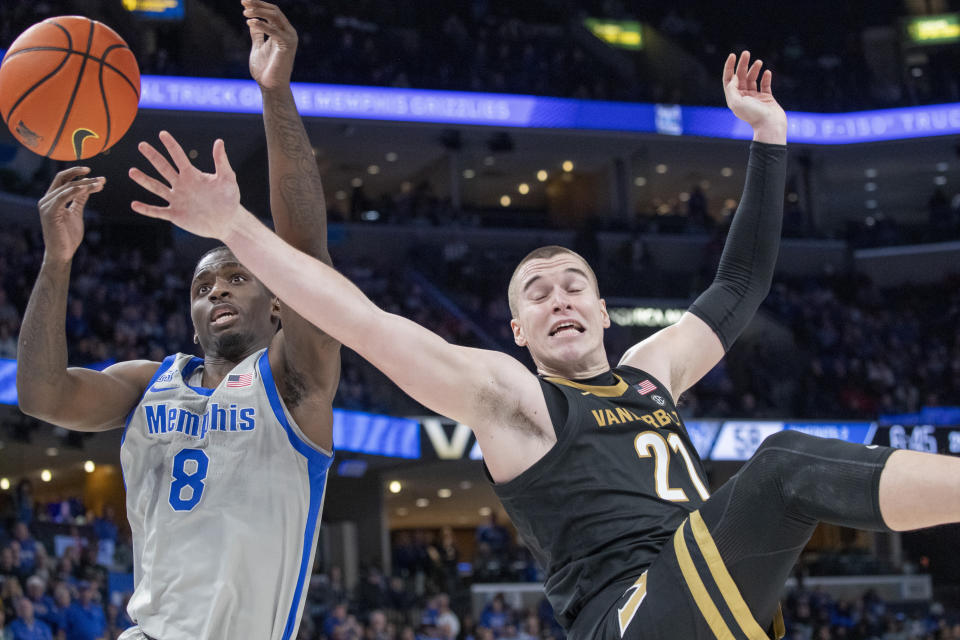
column 597, row 508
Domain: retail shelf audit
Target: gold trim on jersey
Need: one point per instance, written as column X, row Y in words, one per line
column 626, row 613
column 741, row 612
column 697, row 589
column 724, row 581
column 599, row 390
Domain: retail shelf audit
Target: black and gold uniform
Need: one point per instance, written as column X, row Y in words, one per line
column 618, row 514
column 599, row 506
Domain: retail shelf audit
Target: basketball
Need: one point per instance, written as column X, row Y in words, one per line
column 69, row 88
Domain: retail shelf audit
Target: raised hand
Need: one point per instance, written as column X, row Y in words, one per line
column 755, row 106
column 207, row 204
column 274, row 44
column 61, row 211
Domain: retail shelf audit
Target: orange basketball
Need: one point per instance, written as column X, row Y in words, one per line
column 69, row 88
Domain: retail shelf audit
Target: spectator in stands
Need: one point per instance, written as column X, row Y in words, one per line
column 447, row 620
column 36, row 593
column 496, row 615
column 56, row 616
column 27, row 546
column 26, row 626
column 9, row 569
column 85, row 617
column 336, row 618
column 493, row 534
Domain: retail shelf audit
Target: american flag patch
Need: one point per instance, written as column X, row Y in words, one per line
column 239, row 380
column 646, row 387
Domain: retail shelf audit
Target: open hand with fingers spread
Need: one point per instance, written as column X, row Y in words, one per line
column 273, row 44
column 61, row 211
column 755, row 106
column 207, row 204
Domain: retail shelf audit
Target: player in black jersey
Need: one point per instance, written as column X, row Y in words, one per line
column 594, row 465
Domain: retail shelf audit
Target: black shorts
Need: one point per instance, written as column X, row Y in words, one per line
column 686, row 593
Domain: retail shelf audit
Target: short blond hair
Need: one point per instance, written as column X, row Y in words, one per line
column 543, row 253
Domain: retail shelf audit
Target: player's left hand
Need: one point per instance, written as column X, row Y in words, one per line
column 274, row 44
column 206, row 204
column 756, row 107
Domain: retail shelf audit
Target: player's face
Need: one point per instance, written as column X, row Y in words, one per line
column 233, row 313
column 560, row 317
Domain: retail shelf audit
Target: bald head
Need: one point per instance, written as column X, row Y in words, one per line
column 515, row 287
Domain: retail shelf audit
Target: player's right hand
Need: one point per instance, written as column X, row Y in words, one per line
column 61, row 211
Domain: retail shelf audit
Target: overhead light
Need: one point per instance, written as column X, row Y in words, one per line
column 684, row 196
column 870, row 204
column 402, row 511
column 661, row 168
column 370, row 216
column 391, row 156
column 704, row 184
column 406, row 186
column 466, row 484
column 46, row 476
column 523, row 188
column 52, row 451
column 373, row 169
column 356, row 183
column 422, row 502
column 193, row 154
column 4, row 484
column 567, row 166
column 485, row 511
column 870, row 173
column 870, row 186
column 542, row 175
column 488, row 161
column 504, row 200
column 88, row 466
column 726, row 172
column 942, row 166
column 793, row 197
column 940, row 180
column 340, row 195
column 444, row 493
column 469, row 174
column 395, row 487
column 640, row 181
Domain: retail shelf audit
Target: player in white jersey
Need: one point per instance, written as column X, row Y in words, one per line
column 224, row 457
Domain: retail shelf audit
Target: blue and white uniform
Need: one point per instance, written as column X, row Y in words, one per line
column 224, row 494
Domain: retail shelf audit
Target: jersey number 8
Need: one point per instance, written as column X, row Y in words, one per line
column 188, row 476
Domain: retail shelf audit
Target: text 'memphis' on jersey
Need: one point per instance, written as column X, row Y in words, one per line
column 601, row 503
column 224, row 495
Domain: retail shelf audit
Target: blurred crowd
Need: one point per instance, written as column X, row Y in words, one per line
column 828, row 56
column 65, row 575
column 131, row 302
column 851, row 354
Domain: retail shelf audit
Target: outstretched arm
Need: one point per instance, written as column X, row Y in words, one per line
column 487, row 390
column 683, row 353
column 47, row 389
column 307, row 360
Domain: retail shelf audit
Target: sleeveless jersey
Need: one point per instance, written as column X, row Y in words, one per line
column 224, row 495
column 597, row 508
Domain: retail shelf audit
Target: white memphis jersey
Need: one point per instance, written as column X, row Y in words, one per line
column 224, row 495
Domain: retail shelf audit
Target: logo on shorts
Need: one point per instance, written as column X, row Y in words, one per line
column 659, row 400
column 30, row 138
column 79, row 137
